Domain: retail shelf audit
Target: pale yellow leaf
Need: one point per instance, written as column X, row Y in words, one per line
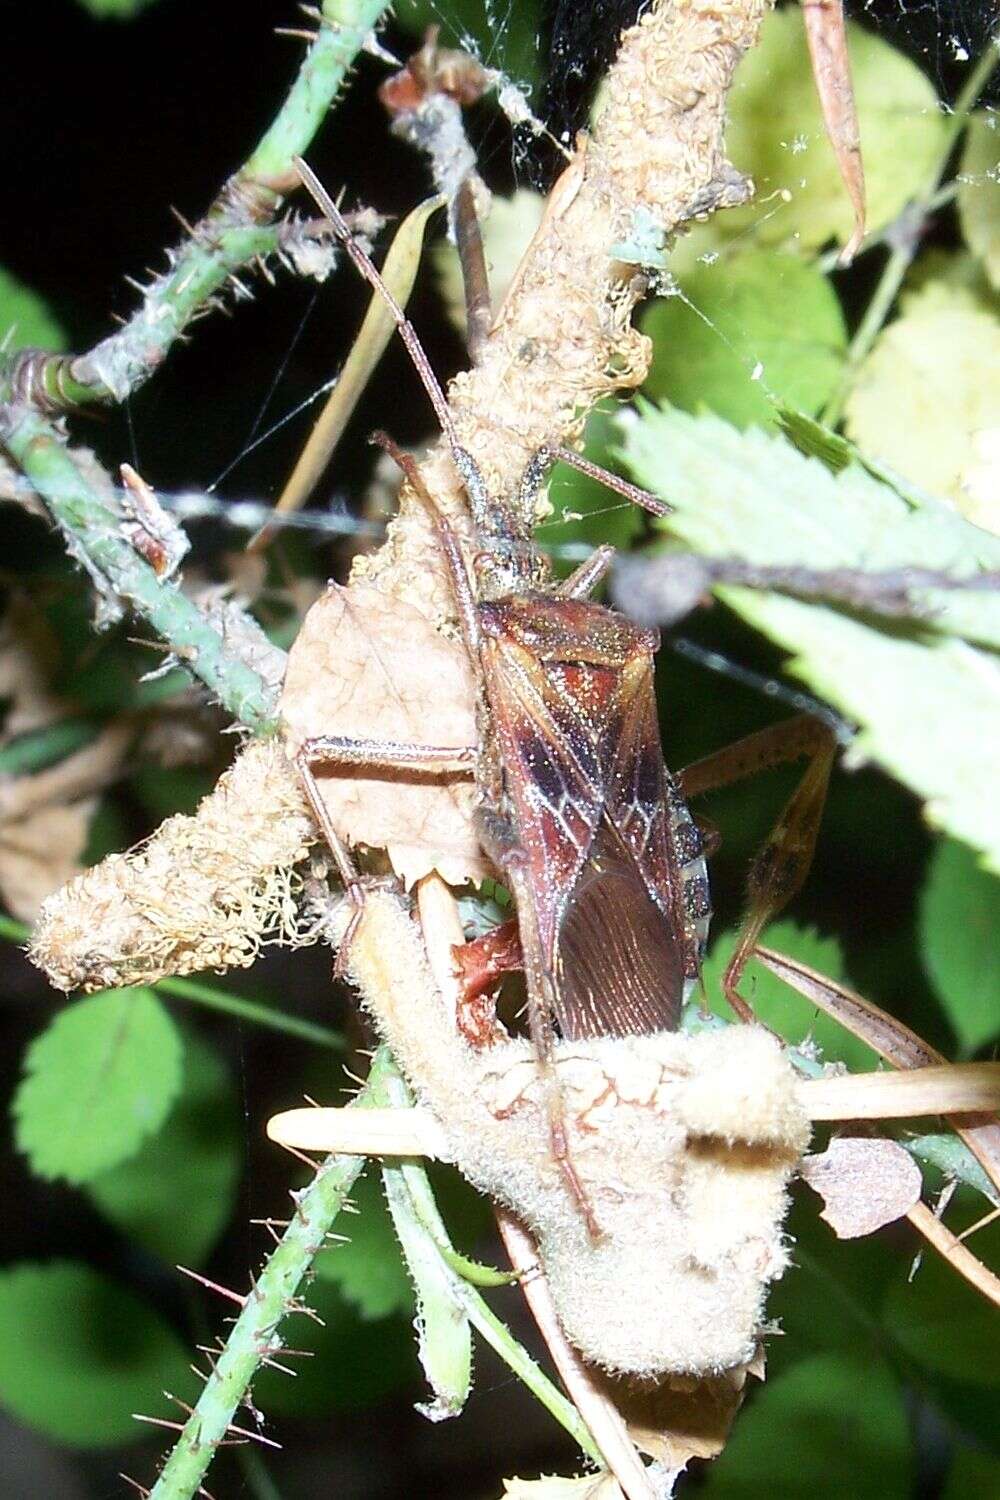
column 865, row 1184
column 979, row 192
column 507, row 232
column 555, row 1487
column 927, row 401
column 366, row 666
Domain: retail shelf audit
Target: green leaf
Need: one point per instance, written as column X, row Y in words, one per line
column 752, row 495
column 472, row 25
column 776, row 134
column 943, row 1323
column 26, row 316
column 959, row 922
column 834, row 1424
column 80, row 1354
column 115, row 10
column 369, row 1269
column 444, row 1338
column 765, row 327
column 926, row 401
column 176, row 1196
column 979, row 192
column 97, row 1083
column 780, row 1007
column 972, row 1473
column 585, row 511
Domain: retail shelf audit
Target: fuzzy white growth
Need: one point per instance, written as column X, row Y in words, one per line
column 205, row 892
column 683, row 1144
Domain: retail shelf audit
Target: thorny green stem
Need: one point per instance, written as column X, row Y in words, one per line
column 93, row 526
column 392, row 1090
column 213, row 999
column 237, row 231
column 254, row 1336
column 229, row 235
column 908, row 234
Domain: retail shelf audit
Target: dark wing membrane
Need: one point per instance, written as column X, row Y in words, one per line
column 619, row 961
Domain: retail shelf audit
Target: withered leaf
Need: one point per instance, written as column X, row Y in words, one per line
column 683, row 1418
column 367, row 666
column 40, row 853
column 865, row 1184
column 555, row 1487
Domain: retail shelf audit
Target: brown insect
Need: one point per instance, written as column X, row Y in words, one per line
column 578, row 813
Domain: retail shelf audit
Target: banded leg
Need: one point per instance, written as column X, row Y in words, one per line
column 782, row 863
column 376, row 755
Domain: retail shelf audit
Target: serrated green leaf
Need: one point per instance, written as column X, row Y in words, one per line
column 832, row 1425
column 780, row 1007
column 25, row 317
column 97, row 1083
column 944, row 1324
column 776, row 134
column 959, row 923
column 176, row 1196
column 928, row 705
column 979, row 191
column 926, row 401
column 80, row 1354
column 369, row 1268
column 764, row 328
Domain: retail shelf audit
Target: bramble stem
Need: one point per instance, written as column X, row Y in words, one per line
column 237, row 230
column 254, row 1335
column 93, row 525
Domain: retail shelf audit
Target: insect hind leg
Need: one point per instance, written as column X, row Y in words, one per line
column 541, row 1013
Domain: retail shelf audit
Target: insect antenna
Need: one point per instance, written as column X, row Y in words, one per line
column 482, row 506
column 484, row 510
column 366, row 267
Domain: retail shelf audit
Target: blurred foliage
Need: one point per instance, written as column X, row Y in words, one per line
column 81, row 1353
column 97, row 1083
column 769, row 329
column 877, row 1378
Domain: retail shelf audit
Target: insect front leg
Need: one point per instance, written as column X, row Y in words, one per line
column 782, row 864
column 374, row 755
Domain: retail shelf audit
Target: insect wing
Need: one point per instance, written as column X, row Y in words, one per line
column 625, row 950
column 593, row 818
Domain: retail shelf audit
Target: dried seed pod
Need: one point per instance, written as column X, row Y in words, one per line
column 204, row 892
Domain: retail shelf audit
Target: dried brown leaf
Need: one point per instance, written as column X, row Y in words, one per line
column 40, row 853
column 681, row 1418
column 865, row 1184
column 28, row 653
column 369, row 667
column 556, row 1487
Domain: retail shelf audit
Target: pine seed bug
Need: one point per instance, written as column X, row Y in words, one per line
column 578, row 814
